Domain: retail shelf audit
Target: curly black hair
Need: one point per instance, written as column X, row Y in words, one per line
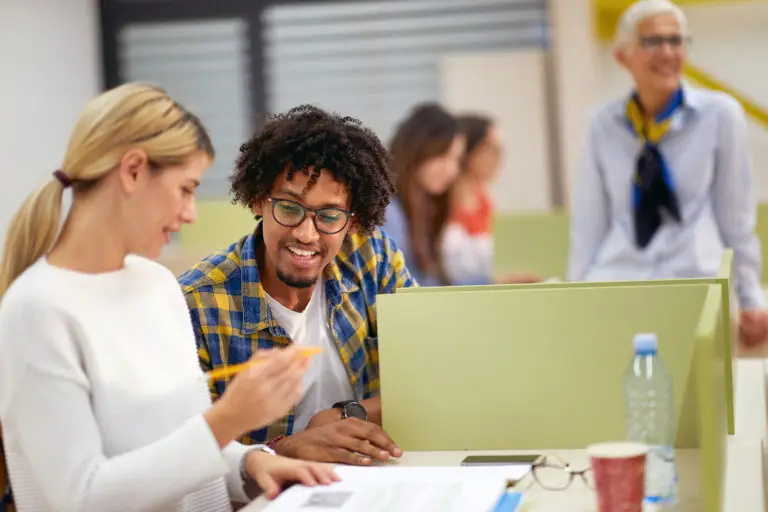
column 307, row 137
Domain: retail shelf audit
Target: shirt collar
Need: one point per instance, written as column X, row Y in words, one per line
column 692, row 102
column 256, row 313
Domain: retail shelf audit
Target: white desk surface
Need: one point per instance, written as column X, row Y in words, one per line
column 744, row 482
column 743, row 494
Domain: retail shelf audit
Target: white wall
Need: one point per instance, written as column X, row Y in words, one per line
column 728, row 43
column 490, row 84
column 50, row 66
column 731, row 42
column 576, row 79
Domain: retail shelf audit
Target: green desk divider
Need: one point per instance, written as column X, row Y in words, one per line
column 532, row 242
column 543, row 369
column 724, row 279
column 727, row 285
column 219, row 224
column 570, row 345
column 709, row 370
column 762, row 234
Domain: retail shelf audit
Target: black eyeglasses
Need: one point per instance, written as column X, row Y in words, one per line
column 553, row 474
column 656, row 43
column 327, row 220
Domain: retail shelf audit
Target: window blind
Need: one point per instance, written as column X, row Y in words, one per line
column 374, row 60
column 205, row 66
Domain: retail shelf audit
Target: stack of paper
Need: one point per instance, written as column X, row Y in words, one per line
column 404, row 489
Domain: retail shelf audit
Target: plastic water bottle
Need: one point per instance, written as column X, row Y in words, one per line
column 650, row 418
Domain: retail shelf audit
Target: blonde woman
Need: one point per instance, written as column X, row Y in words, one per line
column 102, row 401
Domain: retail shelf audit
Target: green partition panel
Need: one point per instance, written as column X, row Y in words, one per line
column 533, row 242
column 727, row 285
column 543, row 369
column 219, row 224
column 762, row 234
column 709, row 370
column 724, row 279
column 572, row 346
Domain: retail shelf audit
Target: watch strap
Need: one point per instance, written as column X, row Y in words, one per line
column 343, row 405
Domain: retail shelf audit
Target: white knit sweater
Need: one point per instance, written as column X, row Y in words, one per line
column 101, row 395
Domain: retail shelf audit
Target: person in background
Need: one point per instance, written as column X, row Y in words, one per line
column 309, row 275
column 102, row 400
column 467, row 242
column 426, row 153
column 666, row 183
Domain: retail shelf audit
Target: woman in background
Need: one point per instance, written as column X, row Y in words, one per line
column 426, row 153
column 467, row 244
column 666, row 178
column 102, row 399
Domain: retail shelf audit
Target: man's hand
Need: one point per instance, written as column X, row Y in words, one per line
column 324, row 418
column 372, row 407
column 753, row 327
column 350, row 441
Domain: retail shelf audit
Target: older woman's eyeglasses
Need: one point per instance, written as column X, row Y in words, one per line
column 656, row 43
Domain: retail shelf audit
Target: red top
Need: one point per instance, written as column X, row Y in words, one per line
column 477, row 221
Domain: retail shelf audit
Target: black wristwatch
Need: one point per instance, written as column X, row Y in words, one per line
column 351, row 409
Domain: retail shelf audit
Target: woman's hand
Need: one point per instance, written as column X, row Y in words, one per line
column 272, row 472
column 753, row 327
column 259, row 395
column 521, row 278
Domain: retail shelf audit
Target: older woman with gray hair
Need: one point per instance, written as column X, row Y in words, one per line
column 665, row 184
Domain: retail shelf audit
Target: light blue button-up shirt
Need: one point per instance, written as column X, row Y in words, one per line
column 396, row 226
column 708, row 156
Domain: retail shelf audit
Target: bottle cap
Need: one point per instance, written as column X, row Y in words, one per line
column 646, row 343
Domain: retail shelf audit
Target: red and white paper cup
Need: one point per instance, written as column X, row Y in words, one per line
column 619, row 473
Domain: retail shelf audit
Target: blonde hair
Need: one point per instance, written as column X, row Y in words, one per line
column 129, row 116
column 626, row 31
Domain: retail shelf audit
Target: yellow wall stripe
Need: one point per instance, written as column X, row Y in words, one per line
column 752, row 109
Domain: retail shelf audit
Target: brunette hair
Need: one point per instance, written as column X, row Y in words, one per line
column 475, row 129
column 427, row 132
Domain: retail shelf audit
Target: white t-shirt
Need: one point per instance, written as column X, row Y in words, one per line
column 326, row 382
column 101, row 395
column 467, row 258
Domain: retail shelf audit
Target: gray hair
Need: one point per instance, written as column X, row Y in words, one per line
column 626, row 31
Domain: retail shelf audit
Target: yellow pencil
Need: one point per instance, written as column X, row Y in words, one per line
column 228, row 371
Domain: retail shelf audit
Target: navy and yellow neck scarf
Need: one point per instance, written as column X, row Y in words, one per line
column 653, row 190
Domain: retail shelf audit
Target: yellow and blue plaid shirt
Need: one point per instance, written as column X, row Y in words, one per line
column 231, row 317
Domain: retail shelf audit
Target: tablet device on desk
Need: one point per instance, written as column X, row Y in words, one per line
column 519, row 465
column 500, row 460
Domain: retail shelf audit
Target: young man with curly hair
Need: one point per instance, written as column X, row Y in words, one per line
column 309, row 274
